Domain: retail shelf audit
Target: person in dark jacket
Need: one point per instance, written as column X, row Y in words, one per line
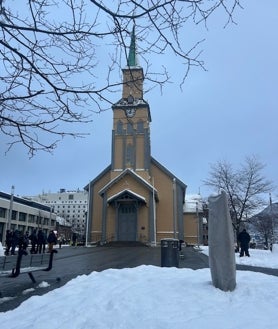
column 15, row 241
column 25, row 241
column 74, row 239
column 41, row 241
column 52, row 240
column 34, row 242
column 9, row 238
column 244, row 239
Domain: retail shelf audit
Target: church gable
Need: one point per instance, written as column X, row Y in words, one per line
column 126, row 196
column 128, row 183
column 125, row 179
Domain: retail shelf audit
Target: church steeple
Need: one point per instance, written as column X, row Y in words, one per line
column 131, row 120
column 133, row 75
column 132, row 58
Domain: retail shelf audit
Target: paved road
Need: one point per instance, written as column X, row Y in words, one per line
column 71, row 262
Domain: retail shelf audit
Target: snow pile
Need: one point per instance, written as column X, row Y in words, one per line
column 152, row 297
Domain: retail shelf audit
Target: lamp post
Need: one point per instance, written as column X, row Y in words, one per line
column 154, row 212
column 87, row 216
column 198, row 224
column 175, row 207
column 11, row 208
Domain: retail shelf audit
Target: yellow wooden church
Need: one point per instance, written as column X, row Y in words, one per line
column 135, row 198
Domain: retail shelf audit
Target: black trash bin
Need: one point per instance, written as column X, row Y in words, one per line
column 169, row 252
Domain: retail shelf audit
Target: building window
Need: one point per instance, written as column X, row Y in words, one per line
column 71, row 196
column 2, row 212
column 130, row 155
column 140, row 127
column 21, row 228
column 119, row 130
column 31, row 218
column 22, row 216
column 14, row 215
column 129, row 128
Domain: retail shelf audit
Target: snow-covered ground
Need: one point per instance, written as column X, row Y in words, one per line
column 258, row 257
column 153, row 297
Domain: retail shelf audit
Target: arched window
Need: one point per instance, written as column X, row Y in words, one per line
column 130, row 155
column 129, row 128
column 120, row 129
column 140, row 127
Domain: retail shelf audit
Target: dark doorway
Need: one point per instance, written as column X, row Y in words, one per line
column 127, row 222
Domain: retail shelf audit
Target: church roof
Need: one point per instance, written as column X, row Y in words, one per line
column 168, row 173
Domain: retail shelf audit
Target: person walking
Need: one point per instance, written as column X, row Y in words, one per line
column 25, row 242
column 9, row 239
column 74, row 239
column 60, row 241
column 34, row 242
column 15, row 241
column 41, row 242
column 52, row 240
column 244, row 239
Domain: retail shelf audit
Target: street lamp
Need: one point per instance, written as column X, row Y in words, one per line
column 11, row 208
column 198, row 224
column 175, row 207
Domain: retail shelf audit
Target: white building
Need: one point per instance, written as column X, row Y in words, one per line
column 25, row 215
column 196, row 211
column 70, row 205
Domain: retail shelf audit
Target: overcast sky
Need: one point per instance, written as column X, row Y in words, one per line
column 228, row 112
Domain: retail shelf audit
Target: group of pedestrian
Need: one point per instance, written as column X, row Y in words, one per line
column 37, row 239
column 16, row 239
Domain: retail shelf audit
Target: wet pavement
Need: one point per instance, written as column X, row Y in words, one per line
column 71, row 262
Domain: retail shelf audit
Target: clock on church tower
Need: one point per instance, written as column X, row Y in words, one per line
column 130, row 109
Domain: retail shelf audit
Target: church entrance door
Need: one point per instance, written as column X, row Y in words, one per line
column 127, row 222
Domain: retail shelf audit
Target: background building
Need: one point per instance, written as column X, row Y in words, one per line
column 26, row 215
column 71, row 206
column 195, row 214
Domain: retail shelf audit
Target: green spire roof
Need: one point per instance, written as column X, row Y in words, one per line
column 132, row 61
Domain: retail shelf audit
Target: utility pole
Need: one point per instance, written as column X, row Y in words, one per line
column 198, row 224
column 271, row 220
column 11, row 208
column 175, row 207
column 154, row 212
column 88, row 216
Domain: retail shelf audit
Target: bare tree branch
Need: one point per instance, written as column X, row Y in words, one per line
column 245, row 187
column 61, row 60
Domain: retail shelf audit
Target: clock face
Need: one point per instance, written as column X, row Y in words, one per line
column 130, row 112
